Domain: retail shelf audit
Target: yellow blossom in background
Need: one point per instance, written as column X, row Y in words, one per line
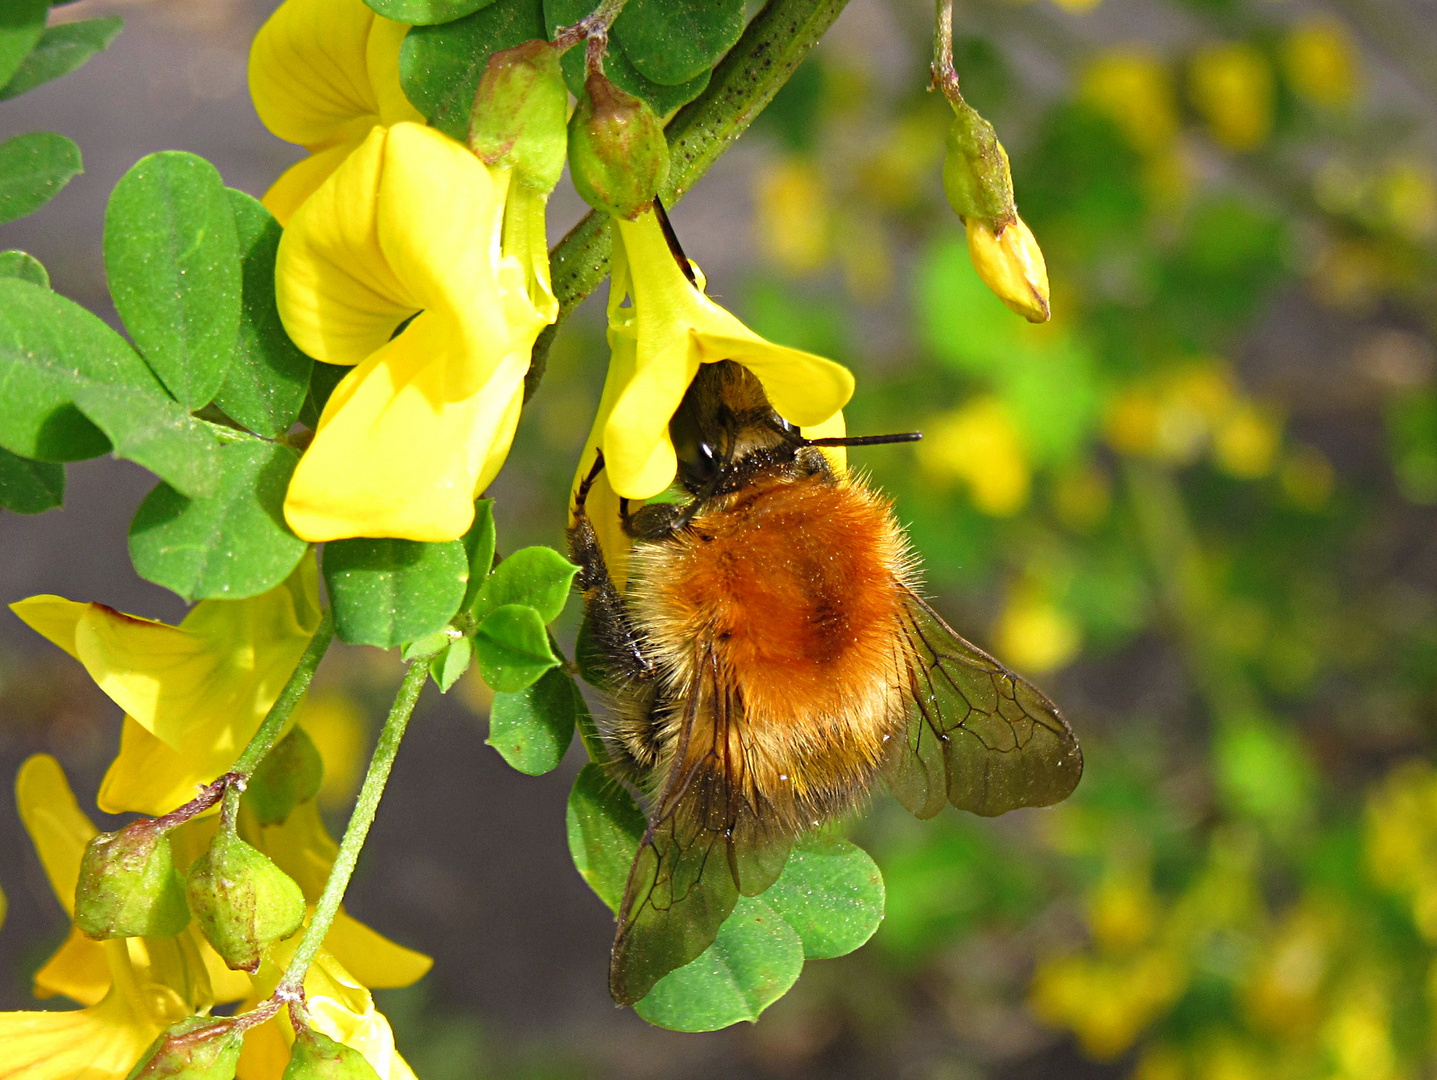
column 1134, row 88
column 1247, row 440
column 1123, row 910
column 1407, row 195
column 322, row 74
column 865, row 254
column 1321, row 63
column 1108, row 1002
column 1231, row 86
column 1283, row 995
column 1082, row 496
column 193, row 694
column 1358, row 1033
column 1035, row 635
column 1077, row 6
column 412, row 227
column 1307, row 477
column 793, row 216
column 980, row 444
column 1400, row 840
column 657, row 343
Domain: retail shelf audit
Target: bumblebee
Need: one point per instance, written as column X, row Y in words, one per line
column 769, row 661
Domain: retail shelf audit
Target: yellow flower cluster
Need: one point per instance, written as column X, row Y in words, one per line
column 193, row 696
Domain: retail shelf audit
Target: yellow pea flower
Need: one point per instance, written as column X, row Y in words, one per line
column 1010, row 262
column 323, row 74
column 656, row 343
column 193, row 693
column 412, row 227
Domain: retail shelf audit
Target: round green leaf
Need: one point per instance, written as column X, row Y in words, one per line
column 426, row 12
column 61, row 50
column 513, row 648
column 30, row 487
column 22, row 22
column 440, row 66
column 232, row 544
column 672, row 43
column 537, row 576
column 387, row 592
column 269, row 377
column 33, row 169
column 532, row 728
column 831, row 893
column 70, row 388
column 172, row 257
column 662, row 99
column 453, row 662
column 25, row 267
column 752, row 963
column 604, row 826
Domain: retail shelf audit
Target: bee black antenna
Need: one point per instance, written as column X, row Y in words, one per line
column 673, row 241
column 866, row 440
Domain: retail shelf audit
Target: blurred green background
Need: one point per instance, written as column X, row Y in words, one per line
column 1197, row 508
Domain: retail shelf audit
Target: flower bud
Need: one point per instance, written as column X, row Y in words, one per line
column 290, row 774
column 618, row 157
column 1011, row 264
column 128, row 886
column 315, row 1056
column 976, row 177
column 243, row 901
column 519, row 114
column 199, row 1048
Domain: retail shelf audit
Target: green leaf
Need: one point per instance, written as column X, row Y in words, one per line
column 22, row 22
column 532, row 728
column 453, row 662
column 172, row 257
column 33, row 169
column 269, row 377
column 479, row 544
column 513, row 648
column 71, row 388
column 388, row 592
column 30, row 487
column 604, row 826
column 536, row 576
column 672, row 43
column 752, row 963
column 322, row 381
column 440, row 66
column 662, row 99
column 231, row 544
column 832, row 894
column 19, row 264
column 61, row 50
column 426, row 12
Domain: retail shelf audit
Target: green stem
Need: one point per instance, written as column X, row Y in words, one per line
column 263, row 740
column 743, row 83
column 945, row 76
column 357, row 830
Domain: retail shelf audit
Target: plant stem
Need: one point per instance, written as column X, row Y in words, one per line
column 945, row 76
column 358, row 828
column 773, row 44
column 263, row 740
column 593, row 26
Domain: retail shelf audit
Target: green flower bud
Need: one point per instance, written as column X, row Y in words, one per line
column 290, row 774
column 618, row 158
column 976, row 177
column 519, row 114
column 315, row 1056
column 243, row 901
column 199, row 1048
column 128, row 886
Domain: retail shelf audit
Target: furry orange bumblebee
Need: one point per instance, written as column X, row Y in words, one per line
column 769, row 661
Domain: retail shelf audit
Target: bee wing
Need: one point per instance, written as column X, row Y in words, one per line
column 978, row 736
column 704, row 846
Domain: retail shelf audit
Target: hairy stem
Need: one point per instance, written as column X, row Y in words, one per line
column 357, row 830
column 945, row 76
column 743, row 83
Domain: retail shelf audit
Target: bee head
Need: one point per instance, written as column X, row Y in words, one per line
column 724, row 419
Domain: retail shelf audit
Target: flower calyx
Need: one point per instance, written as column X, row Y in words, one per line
column 520, row 112
column 315, row 1056
column 242, row 900
column 198, row 1048
column 618, row 157
column 289, row 775
column 128, row 885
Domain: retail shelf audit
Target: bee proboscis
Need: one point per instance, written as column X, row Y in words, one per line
column 770, row 659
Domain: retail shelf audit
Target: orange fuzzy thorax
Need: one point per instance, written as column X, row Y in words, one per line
column 792, row 585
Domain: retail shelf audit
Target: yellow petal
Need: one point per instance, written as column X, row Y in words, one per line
column 302, row 179
column 78, row 970
column 57, row 826
column 343, row 1009
column 832, row 428
column 320, row 74
column 1011, row 264
column 53, row 618
column 398, row 452
column 374, row 960
column 99, row 1043
column 149, row 777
